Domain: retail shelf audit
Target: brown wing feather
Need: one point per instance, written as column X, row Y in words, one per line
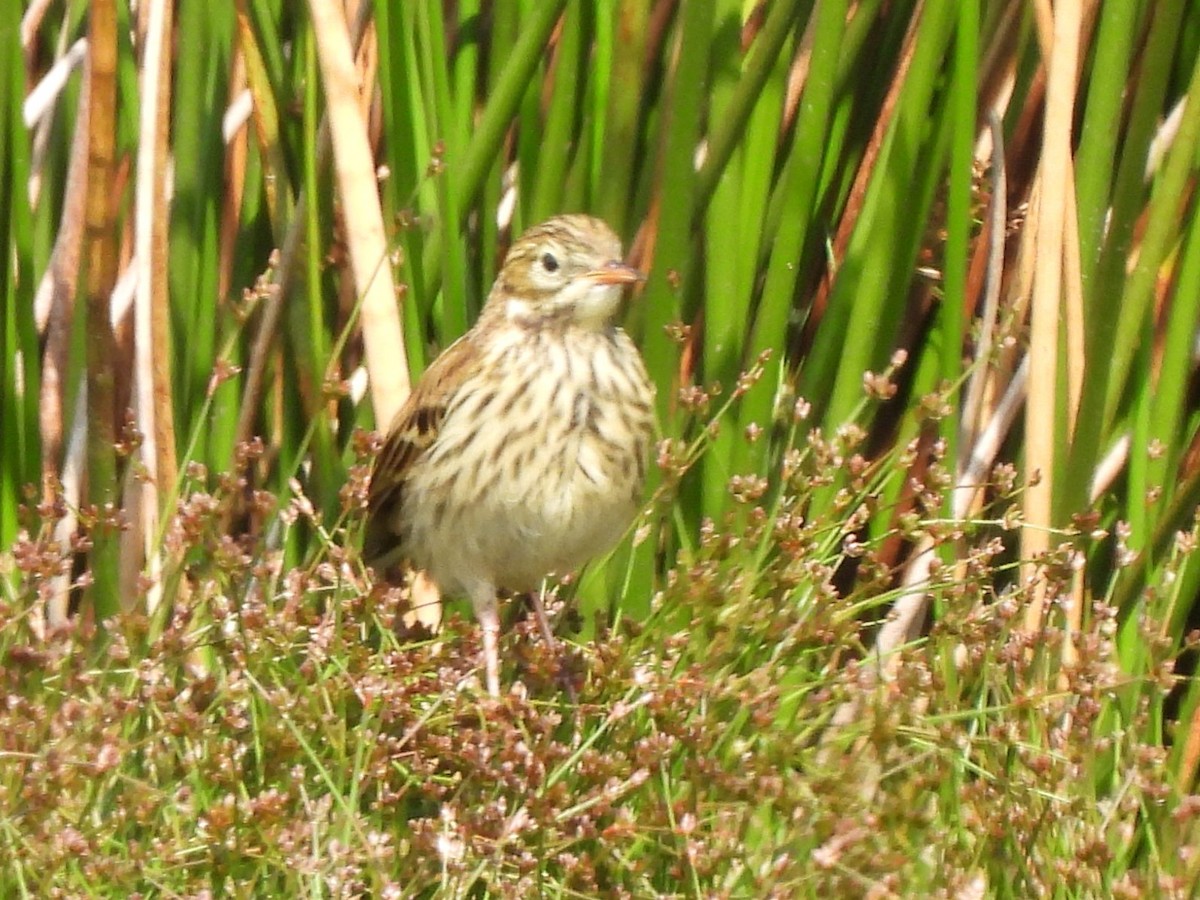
column 412, row 432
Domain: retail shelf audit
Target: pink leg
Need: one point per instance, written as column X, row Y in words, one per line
column 539, row 613
column 483, row 598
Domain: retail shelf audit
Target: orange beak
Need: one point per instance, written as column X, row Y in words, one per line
column 615, row 273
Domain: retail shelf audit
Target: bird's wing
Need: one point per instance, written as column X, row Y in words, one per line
column 412, row 432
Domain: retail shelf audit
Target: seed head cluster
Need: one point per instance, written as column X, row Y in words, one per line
column 270, row 730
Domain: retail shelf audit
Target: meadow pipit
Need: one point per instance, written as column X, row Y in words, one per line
column 522, row 450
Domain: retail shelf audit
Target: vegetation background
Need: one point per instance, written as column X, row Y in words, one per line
column 912, row 609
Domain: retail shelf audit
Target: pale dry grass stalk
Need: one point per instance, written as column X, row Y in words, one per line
column 1053, row 208
column 998, row 222
column 358, row 187
column 39, row 108
column 152, row 380
column 32, row 20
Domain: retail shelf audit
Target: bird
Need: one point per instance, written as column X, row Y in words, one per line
column 522, row 450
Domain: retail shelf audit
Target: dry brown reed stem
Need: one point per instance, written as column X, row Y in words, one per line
column 100, row 243
column 237, row 150
column 1189, row 761
column 152, row 305
column 56, row 296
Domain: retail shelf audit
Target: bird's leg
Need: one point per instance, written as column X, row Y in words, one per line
column 539, row 613
column 483, row 599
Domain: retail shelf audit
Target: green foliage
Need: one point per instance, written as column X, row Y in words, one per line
column 18, row 347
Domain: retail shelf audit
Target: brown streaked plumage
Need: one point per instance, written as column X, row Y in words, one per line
column 522, row 450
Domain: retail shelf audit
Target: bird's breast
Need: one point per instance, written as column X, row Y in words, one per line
column 548, row 451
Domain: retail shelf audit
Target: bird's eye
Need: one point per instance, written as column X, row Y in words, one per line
column 549, row 263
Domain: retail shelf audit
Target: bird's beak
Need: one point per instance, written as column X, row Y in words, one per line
column 614, row 273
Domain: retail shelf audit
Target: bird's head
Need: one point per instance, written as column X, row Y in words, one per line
column 568, row 269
